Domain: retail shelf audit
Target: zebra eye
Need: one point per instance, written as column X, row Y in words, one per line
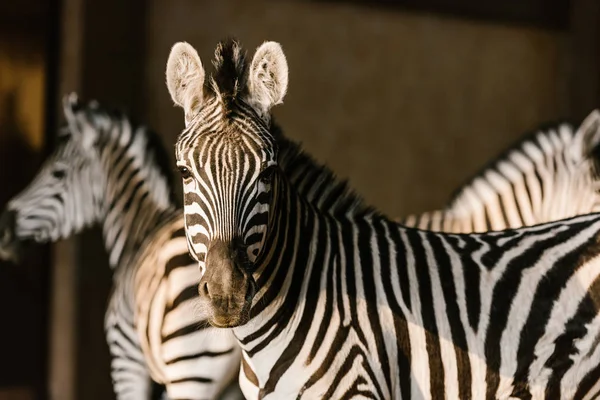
column 267, row 175
column 59, row 173
column 185, row 173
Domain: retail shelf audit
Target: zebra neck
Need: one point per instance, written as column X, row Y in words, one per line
column 138, row 196
column 290, row 264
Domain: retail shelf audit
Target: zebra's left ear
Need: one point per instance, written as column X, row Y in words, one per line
column 589, row 133
column 268, row 78
column 80, row 127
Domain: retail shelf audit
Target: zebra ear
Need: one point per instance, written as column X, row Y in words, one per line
column 589, row 133
column 185, row 78
column 268, row 78
column 80, row 127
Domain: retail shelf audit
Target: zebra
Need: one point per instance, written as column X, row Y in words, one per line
column 107, row 170
column 100, row 156
column 348, row 303
column 551, row 175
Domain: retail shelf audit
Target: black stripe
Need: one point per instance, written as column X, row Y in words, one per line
column 178, row 261
column 190, row 293
column 459, row 337
column 204, row 354
column 587, row 383
column 183, row 331
column 288, row 307
column 291, row 352
column 400, row 325
column 436, row 366
column 575, row 329
column 368, row 279
column 503, row 296
column 547, row 290
column 197, row 379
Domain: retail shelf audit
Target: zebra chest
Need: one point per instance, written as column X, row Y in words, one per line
column 348, row 375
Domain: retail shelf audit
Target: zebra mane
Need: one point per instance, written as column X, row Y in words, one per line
column 228, row 81
column 546, row 130
column 341, row 199
column 99, row 116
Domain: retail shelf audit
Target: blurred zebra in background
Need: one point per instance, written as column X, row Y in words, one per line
column 551, row 175
column 106, row 170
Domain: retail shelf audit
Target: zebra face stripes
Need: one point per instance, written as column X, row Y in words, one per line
column 67, row 194
column 228, row 161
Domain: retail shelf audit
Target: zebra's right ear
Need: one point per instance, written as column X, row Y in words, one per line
column 589, row 133
column 185, row 78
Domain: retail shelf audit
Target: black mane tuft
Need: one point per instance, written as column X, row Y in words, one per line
column 231, row 71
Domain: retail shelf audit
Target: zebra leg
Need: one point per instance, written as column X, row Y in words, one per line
column 204, row 364
column 130, row 376
column 131, row 380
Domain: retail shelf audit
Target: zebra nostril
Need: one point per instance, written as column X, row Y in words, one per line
column 204, row 289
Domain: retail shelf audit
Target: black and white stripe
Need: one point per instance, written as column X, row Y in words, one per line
column 549, row 176
column 349, row 304
column 59, row 203
column 107, row 171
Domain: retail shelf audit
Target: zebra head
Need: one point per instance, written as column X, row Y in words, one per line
column 65, row 195
column 227, row 157
column 579, row 179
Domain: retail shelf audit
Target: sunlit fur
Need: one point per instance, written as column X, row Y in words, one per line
column 107, row 171
column 353, row 305
column 549, row 176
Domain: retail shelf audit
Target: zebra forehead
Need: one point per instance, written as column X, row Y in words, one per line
column 240, row 137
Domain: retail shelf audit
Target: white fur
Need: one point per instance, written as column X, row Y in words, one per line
column 268, row 77
column 185, row 78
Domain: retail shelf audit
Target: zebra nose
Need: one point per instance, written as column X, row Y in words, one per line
column 8, row 223
column 203, row 290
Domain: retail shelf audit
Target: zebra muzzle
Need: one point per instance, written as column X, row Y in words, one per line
column 226, row 288
column 10, row 248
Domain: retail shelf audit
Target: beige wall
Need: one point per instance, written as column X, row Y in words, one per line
column 405, row 105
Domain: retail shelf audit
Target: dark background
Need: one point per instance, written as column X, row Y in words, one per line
column 407, row 98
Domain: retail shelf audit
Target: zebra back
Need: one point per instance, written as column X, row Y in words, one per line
column 552, row 174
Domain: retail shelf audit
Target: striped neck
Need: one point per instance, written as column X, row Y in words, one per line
column 302, row 258
column 138, row 192
column 282, row 268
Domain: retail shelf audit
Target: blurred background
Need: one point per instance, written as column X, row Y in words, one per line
column 406, row 98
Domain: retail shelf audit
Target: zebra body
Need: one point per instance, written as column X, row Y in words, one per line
column 346, row 303
column 107, row 171
column 550, row 176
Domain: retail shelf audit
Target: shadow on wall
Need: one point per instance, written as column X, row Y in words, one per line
column 22, row 287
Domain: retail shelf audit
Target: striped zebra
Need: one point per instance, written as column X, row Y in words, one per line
column 122, row 182
column 349, row 304
column 549, row 176
column 107, row 171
